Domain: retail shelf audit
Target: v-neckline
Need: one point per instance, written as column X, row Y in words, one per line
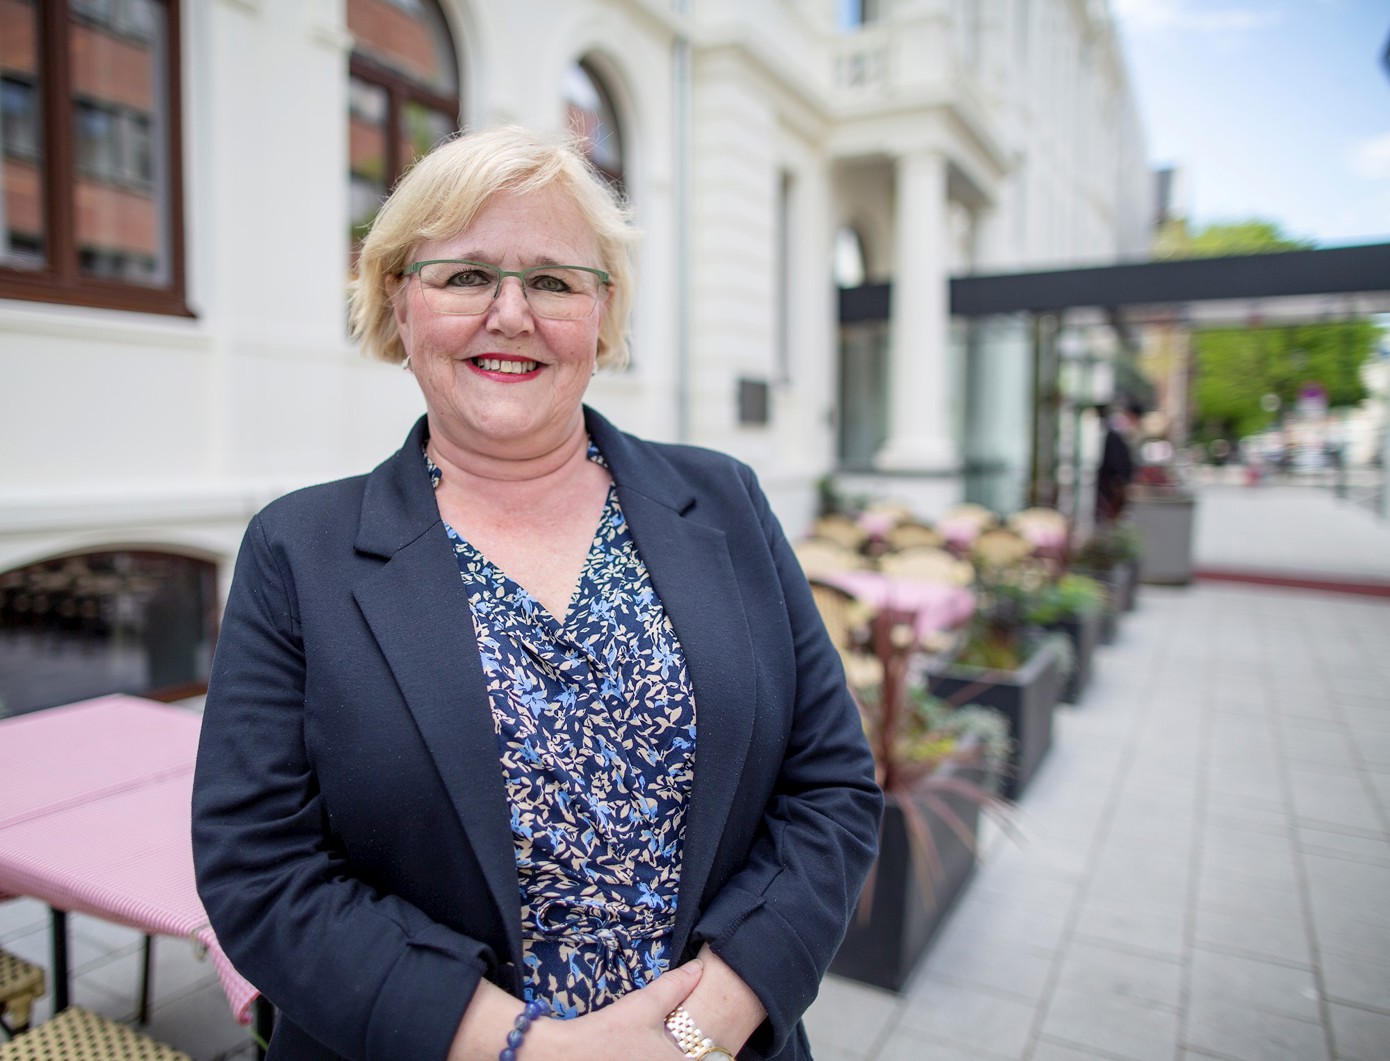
column 515, row 588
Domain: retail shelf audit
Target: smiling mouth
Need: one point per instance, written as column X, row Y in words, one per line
column 508, row 366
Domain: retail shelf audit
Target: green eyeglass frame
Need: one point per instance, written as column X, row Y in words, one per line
column 502, row 274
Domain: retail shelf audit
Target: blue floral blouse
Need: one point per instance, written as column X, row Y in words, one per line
column 595, row 723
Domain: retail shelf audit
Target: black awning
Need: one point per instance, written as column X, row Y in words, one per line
column 1338, row 270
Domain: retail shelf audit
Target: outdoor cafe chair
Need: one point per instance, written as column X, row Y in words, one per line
column 21, row 983
column 914, row 535
column 821, row 556
column 1001, row 548
column 927, row 564
column 77, row 1033
column 839, row 528
column 845, row 617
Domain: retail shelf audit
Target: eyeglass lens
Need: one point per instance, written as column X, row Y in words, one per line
column 464, row 288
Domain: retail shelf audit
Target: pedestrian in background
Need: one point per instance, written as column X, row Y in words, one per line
column 1116, row 469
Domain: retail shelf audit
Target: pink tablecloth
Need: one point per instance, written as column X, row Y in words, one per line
column 96, row 819
column 937, row 606
column 71, row 755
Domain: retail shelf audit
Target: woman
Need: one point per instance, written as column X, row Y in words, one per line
column 463, row 753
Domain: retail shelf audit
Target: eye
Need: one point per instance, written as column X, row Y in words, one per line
column 553, row 282
column 468, row 276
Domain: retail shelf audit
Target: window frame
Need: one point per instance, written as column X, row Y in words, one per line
column 599, row 80
column 61, row 279
column 401, row 90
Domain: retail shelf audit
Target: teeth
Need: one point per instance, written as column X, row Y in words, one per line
column 497, row 364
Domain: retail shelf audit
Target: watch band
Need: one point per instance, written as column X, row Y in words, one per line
column 690, row 1039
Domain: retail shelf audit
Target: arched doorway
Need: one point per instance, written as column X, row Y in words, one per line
column 114, row 621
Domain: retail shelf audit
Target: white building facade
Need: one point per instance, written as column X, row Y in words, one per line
column 173, row 351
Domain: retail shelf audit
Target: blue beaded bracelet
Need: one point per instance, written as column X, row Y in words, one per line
column 535, row 1008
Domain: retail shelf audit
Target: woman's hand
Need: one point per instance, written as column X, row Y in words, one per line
column 632, row 1028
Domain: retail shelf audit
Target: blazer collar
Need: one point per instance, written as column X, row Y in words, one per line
column 398, row 502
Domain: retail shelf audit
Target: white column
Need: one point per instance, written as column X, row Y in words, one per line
column 920, row 433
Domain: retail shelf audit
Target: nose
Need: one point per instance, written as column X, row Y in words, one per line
column 509, row 311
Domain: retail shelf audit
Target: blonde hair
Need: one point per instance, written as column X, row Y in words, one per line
column 444, row 191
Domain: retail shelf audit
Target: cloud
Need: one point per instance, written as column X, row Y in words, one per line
column 1370, row 158
column 1194, row 15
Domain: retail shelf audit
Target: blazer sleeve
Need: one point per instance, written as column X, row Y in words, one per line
column 779, row 920
column 367, row 974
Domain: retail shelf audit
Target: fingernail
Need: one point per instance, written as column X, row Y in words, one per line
column 695, row 964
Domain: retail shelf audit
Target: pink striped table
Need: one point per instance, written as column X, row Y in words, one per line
column 935, row 605
column 94, row 818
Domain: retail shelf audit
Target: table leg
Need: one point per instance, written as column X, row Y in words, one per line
column 264, row 1024
column 145, row 972
column 60, row 958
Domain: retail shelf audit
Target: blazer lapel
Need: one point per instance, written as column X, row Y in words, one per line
column 418, row 611
column 694, row 576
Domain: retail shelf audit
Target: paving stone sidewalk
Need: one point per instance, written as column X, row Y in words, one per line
column 1206, row 865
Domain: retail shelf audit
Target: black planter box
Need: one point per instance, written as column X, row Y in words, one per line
column 1120, row 583
column 1084, row 633
column 884, row 950
column 1127, row 584
column 1027, row 697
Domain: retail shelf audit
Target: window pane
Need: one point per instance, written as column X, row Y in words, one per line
column 368, row 107
column 589, row 115
column 408, row 37
column 422, row 128
column 120, row 126
column 22, row 226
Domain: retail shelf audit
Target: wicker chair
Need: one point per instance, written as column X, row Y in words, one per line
column 1038, row 516
column 928, row 564
column 823, row 556
column 1002, row 548
column 79, row 1035
column 837, row 527
column 971, row 512
column 914, row 535
column 20, row 984
column 1046, row 528
column 844, row 615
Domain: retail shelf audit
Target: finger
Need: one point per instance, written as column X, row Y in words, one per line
column 669, row 989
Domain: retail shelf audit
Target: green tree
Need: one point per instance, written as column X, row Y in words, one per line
column 1223, row 238
column 1237, row 367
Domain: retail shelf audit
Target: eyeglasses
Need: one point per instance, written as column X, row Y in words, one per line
column 466, row 288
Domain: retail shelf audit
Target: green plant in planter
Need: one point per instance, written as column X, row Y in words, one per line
column 1107, row 548
column 1002, row 632
column 926, row 748
column 1071, row 596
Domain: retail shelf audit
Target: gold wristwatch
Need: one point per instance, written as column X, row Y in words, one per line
column 691, row 1040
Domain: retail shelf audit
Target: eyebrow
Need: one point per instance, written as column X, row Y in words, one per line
column 541, row 262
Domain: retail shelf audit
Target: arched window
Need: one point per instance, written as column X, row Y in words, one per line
column 90, row 154
column 590, row 115
column 403, row 96
column 123, row 621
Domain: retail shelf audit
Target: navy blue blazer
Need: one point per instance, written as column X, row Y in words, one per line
column 350, row 826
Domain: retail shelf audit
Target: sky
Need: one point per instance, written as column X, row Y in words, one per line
column 1271, row 109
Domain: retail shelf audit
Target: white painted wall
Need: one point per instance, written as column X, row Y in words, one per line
column 119, row 428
